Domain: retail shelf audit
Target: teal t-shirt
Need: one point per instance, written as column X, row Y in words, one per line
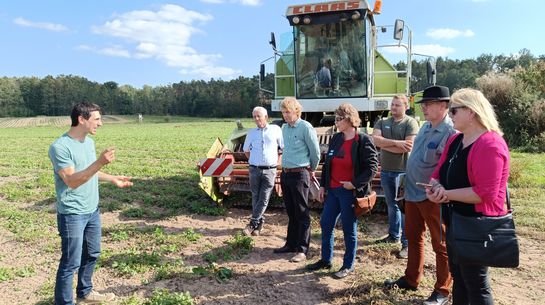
column 66, row 152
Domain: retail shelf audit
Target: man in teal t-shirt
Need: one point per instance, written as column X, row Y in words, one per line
column 77, row 172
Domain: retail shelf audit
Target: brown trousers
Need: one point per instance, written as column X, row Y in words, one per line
column 418, row 215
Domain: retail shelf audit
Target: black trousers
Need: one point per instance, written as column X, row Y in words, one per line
column 470, row 283
column 295, row 189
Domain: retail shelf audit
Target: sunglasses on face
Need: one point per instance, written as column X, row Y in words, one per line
column 339, row 118
column 454, row 110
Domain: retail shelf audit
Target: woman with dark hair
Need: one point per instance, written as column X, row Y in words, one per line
column 350, row 165
column 472, row 181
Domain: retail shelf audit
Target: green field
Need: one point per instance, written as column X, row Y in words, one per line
column 161, row 156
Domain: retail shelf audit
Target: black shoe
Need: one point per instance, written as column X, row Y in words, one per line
column 258, row 228
column 400, row 283
column 387, row 240
column 403, row 253
column 319, row 265
column 284, row 249
column 436, row 299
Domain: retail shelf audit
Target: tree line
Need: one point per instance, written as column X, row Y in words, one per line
column 515, row 84
column 54, row 96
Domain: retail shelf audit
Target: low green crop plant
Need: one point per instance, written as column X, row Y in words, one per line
column 164, row 297
column 169, row 271
column 6, row 274
column 191, row 236
column 26, row 271
column 207, row 209
column 221, row 274
column 235, row 248
column 134, row 262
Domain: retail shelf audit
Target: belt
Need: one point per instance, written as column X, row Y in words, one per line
column 263, row 167
column 294, row 170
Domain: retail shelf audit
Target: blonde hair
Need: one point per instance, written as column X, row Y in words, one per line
column 291, row 104
column 403, row 99
column 475, row 100
column 348, row 111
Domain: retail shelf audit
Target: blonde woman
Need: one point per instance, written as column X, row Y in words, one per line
column 471, row 179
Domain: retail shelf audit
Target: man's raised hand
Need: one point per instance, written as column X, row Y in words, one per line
column 107, row 156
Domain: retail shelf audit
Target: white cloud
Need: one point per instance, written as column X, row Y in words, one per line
column 213, row 72
column 250, row 2
column 433, row 50
column 394, row 50
column 448, row 33
column 40, row 25
column 115, row 51
column 163, row 35
column 243, row 2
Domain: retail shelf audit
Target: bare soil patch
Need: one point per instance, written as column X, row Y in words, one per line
column 263, row 277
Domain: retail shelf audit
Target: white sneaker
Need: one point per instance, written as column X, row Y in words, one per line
column 299, row 257
column 95, row 297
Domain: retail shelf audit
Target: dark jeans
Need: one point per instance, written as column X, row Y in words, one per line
column 396, row 219
column 470, row 283
column 339, row 201
column 80, row 247
column 295, row 188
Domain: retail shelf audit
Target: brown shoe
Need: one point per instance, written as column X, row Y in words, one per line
column 299, row 257
column 248, row 230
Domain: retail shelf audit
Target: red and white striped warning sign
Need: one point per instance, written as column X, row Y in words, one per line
column 216, row 167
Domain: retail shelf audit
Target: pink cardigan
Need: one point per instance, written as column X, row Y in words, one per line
column 487, row 169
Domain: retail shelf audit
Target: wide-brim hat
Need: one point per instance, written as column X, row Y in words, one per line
column 435, row 93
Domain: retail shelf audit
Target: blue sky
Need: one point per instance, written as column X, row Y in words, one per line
column 155, row 42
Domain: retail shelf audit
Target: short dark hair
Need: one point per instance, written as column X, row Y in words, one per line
column 84, row 109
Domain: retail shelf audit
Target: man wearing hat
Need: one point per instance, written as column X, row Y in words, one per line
column 419, row 211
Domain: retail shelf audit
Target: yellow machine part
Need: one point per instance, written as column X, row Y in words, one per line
column 208, row 184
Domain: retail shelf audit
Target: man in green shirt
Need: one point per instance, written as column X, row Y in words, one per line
column 394, row 136
column 300, row 159
column 77, row 172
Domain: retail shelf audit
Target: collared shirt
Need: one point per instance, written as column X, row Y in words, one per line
column 263, row 144
column 428, row 146
column 301, row 146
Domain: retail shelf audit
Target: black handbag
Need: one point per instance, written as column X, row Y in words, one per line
column 484, row 240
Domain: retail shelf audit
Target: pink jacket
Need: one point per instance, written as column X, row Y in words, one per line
column 488, row 170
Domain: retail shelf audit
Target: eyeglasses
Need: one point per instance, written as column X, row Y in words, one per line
column 339, row 118
column 454, row 110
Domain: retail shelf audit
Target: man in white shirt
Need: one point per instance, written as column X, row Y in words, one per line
column 262, row 146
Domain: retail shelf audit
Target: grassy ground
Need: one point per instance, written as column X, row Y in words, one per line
column 161, row 155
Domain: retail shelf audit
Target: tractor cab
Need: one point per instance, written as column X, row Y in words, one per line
column 332, row 56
